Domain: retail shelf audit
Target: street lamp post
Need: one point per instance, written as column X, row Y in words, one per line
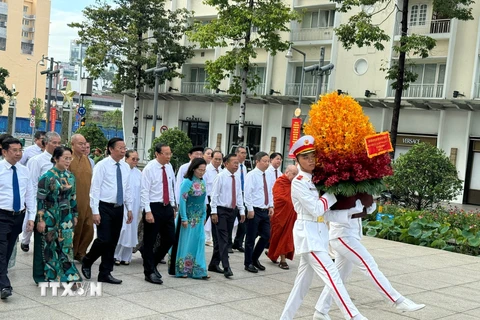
column 35, row 88
column 289, row 56
column 50, row 73
column 319, row 70
column 320, row 75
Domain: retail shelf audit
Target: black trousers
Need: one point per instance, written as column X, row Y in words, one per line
column 10, row 228
column 108, row 232
column 165, row 226
column 241, row 231
column 258, row 226
column 221, row 232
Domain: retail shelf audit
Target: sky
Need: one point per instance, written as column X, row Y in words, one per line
column 62, row 13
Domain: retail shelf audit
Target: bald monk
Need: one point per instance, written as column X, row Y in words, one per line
column 281, row 223
column 82, row 170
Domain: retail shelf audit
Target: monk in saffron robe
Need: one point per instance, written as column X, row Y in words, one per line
column 82, row 170
column 282, row 221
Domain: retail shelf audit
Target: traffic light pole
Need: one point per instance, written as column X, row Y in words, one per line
column 50, row 73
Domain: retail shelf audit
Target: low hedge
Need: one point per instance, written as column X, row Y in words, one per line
column 451, row 229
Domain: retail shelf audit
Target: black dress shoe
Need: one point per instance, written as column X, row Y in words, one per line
column 251, row 268
column 215, row 268
column 87, row 271
column 6, row 292
column 241, row 249
column 230, row 250
column 259, row 266
column 152, row 278
column 109, row 279
column 228, row 273
column 25, row 247
column 157, row 273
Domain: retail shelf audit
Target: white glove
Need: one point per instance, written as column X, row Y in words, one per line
column 372, row 208
column 357, row 209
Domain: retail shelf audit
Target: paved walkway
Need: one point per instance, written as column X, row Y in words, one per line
column 448, row 283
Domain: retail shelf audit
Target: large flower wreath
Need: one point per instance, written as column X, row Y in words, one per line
column 339, row 126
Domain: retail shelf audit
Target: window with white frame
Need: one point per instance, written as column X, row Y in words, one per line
column 418, row 15
column 259, row 71
column 26, row 22
column 198, row 75
column 24, row 34
column 318, row 19
column 25, row 9
column 430, row 80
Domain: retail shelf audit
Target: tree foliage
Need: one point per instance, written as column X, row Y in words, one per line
column 3, row 87
column 242, row 26
column 179, row 143
column 113, row 119
column 130, row 35
column 423, row 177
column 94, row 135
column 361, row 30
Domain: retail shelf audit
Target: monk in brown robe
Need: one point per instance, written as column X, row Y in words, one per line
column 82, row 170
column 282, row 221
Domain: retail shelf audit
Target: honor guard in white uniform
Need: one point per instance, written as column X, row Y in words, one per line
column 345, row 240
column 311, row 235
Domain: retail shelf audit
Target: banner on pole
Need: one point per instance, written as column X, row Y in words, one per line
column 53, row 118
column 295, row 132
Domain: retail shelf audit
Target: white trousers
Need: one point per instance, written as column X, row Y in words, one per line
column 350, row 252
column 321, row 264
column 26, row 236
column 123, row 253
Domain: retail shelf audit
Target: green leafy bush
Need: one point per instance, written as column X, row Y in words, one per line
column 179, row 143
column 94, row 135
column 423, row 177
column 448, row 229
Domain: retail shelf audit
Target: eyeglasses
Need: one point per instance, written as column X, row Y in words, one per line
column 67, row 158
column 135, row 159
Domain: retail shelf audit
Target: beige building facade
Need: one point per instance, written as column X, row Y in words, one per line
column 442, row 107
column 24, row 32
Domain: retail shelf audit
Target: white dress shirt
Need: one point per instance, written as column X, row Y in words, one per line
column 91, row 162
column 222, row 192
column 271, row 174
column 104, row 184
column 30, row 152
column 27, row 196
column 209, row 177
column 37, row 166
column 152, row 184
column 180, row 176
column 242, row 167
column 254, row 192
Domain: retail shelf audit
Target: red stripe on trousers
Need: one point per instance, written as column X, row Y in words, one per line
column 368, row 269
column 333, row 284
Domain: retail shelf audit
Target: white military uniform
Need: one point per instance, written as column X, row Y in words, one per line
column 345, row 240
column 311, row 242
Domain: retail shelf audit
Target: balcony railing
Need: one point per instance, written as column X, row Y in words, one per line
column 29, row 41
column 420, row 91
column 28, row 29
column 309, row 89
column 426, row 27
column 259, row 90
column 29, row 16
column 312, row 34
column 195, row 87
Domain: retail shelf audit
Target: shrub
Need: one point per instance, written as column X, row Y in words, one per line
column 94, row 135
column 423, row 177
column 179, row 143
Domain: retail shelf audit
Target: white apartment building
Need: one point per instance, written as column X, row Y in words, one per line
column 431, row 113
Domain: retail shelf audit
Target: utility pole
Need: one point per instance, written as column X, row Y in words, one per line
column 50, row 73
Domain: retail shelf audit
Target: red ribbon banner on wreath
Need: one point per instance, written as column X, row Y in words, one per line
column 378, row 144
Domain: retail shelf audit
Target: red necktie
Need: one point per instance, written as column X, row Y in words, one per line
column 276, row 174
column 265, row 191
column 234, row 193
column 166, row 197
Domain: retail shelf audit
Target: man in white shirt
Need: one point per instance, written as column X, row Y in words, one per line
column 38, row 165
column 35, row 149
column 87, row 153
column 212, row 170
column 159, row 213
column 195, row 152
column 259, row 202
column 226, row 197
column 109, row 193
column 241, row 153
column 273, row 170
column 16, row 196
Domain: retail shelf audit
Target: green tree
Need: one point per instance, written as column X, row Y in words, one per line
column 94, row 135
column 250, row 25
column 3, row 87
column 423, row 177
column 115, row 33
column 113, row 119
column 37, row 104
column 179, row 143
column 365, row 29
